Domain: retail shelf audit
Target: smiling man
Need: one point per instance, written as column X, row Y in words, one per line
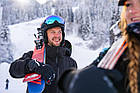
column 58, row 52
column 54, row 36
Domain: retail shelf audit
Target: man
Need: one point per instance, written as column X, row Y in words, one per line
column 58, row 51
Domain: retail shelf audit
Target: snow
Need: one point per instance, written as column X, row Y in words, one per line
column 15, row 85
column 22, row 36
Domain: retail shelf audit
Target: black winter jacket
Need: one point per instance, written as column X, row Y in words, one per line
column 58, row 57
column 93, row 77
column 121, row 66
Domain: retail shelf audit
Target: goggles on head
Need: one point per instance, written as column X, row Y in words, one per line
column 52, row 19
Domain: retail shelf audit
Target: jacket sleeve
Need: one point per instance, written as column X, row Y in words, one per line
column 17, row 68
column 100, row 57
column 73, row 63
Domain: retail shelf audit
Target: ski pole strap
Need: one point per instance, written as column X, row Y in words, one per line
column 113, row 54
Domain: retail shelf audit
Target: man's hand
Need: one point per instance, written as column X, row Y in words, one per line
column 32, row 65
column 45, row 70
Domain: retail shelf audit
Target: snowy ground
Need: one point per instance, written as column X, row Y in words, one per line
column 23, row 40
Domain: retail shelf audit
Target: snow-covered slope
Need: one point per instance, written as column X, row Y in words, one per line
column 15, row 85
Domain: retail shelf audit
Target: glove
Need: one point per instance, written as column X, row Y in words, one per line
column 117, row 79
column 91, row 79
column 46, row 72
column 32, row 65
column 65, row 79
column 114, row 75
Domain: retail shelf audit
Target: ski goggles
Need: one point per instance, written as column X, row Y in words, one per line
column 52, row 19
column 134, row 28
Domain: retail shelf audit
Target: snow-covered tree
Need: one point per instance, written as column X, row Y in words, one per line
column 6, row 54
column 89, row 19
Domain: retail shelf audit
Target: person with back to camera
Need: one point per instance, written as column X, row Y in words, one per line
column 121, row 63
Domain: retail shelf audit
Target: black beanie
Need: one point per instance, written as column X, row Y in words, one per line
column 121, row 2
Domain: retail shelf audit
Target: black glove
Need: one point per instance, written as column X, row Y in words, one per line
column 117, row 79
column 46, row 72
column 65, row 79
column 91, row 79
column 32, row 65
column 114, row 75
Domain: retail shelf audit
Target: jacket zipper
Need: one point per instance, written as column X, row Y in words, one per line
column 57, row 66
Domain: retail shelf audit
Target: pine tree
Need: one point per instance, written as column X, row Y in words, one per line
column 5, row 45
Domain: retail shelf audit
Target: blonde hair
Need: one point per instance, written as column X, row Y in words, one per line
column 133, row 47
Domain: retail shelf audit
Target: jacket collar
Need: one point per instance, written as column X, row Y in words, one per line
column 57, row 51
